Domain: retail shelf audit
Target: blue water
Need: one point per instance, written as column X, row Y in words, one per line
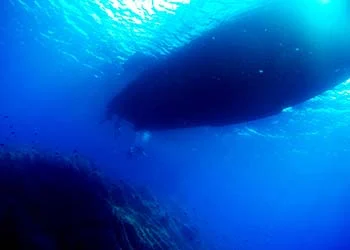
column 278, row 183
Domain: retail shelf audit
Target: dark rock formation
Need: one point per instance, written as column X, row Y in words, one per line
column 51, row 202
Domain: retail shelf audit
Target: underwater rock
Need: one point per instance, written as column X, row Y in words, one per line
column 264, row 61
column 63, row 203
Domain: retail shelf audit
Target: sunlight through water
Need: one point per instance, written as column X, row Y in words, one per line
column 93, row 33
column 112, row 30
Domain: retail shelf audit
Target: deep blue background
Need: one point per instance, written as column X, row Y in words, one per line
column 279, row 183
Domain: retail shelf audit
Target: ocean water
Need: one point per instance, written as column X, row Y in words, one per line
column 278, row 183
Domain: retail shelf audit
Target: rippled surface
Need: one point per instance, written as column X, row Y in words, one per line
column 111, row 30
column 95, row 32
column 320, row 116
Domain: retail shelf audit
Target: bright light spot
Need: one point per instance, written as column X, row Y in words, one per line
column 286, row 110
column 325, row 1
column 146, row 136
column 96, row 18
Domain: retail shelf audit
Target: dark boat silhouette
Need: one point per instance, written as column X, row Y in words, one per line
column 245, row 69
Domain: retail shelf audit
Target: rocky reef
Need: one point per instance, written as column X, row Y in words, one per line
column 52, row 202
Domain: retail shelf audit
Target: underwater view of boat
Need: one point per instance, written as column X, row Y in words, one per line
column 248, row 68
column 68, row 182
